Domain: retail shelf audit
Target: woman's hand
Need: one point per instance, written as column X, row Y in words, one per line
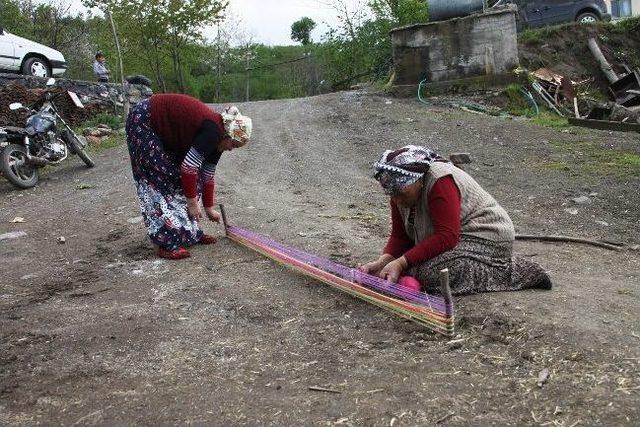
column 193, row 209
column 212, row 214
column 374, row 267
column 393, row 270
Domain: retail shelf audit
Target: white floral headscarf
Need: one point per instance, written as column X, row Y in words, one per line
column 405, row 166
column 237, row 126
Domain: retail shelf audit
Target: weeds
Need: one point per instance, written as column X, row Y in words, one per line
column 593, row 158
column 551, row 120
column 112, row 141
column 111, row 120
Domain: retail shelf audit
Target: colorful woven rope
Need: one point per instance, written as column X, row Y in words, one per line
column 434, row 312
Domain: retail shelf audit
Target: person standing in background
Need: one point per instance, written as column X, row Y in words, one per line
column 100, row 68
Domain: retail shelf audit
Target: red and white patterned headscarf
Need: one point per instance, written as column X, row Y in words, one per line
column 405, row 166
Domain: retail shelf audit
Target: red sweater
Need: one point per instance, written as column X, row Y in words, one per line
column 177, row 119
column 444, row 207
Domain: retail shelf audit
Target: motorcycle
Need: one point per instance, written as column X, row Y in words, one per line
column 40, row 143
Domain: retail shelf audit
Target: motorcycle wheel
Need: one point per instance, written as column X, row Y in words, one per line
column 78, row 148
column 16, row 168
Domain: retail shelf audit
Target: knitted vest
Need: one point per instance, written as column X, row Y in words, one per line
column 480, row 215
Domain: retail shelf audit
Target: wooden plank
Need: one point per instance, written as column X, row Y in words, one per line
column 605, row 125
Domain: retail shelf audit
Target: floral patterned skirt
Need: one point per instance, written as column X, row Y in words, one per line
column 157, row 176
column 479, row 265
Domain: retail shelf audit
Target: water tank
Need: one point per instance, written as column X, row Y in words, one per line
column 441, row 10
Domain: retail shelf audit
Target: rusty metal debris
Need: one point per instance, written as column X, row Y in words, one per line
column 561, row 94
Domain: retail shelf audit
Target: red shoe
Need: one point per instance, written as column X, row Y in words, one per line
column 207, row 239
column 179, row 253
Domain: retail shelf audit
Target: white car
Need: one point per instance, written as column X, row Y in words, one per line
column 29, row 58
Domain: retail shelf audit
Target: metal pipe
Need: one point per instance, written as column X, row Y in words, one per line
column 441, row 10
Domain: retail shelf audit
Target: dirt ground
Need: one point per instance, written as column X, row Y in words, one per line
column 97, row 331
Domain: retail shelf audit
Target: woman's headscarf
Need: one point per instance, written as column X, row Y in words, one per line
column 237, row 126
column 405, row 166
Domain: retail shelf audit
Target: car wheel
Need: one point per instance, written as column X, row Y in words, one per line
column 36, row 67
column 587, row 18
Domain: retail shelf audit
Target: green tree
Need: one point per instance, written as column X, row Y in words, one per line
column 301, row 30
column 12, row 19
column 160, row 33
column 400, row 12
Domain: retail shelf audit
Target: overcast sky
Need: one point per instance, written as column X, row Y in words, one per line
column 269, row 21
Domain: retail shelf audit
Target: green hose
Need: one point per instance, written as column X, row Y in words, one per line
column 420, row 92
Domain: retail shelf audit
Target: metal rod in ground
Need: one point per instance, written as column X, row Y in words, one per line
column 224, row 217
column 445, row 288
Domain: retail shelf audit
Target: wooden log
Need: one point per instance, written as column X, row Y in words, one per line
column 569, row 239
column 605, row 125
column 604, row 64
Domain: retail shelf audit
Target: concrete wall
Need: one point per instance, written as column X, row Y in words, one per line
column 477, row 45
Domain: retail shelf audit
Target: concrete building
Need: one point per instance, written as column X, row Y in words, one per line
column 479, row 47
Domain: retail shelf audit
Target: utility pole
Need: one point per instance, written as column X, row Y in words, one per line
column 248, row 77
column 218, row 72
column 117, row 41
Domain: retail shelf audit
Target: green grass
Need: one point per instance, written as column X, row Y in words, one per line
column 539, row 36
column 625, row 26
column 593, row 158
column 112, row 141
column 112, row 120
column 531, row 37
column 518, row 105
column 551, row 120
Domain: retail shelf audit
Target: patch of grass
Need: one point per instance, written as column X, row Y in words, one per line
column 625, row 26
column 112, row 141
column 593, row 158
column 112, row 120
column 557, row 165
column 539, row 36
column 531, row 37
column 551, row 120
column 518, row 105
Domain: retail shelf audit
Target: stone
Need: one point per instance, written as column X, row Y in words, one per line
column 571, row 211
column 62, row 240
column 12, row 235
column 135, row 220
column 460, row 158
column 93, row 140
column 582, row 200
column 603, row 223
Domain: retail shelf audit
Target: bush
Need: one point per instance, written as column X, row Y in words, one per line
column 112, row 120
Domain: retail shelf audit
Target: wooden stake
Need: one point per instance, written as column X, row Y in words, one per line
column 224, row 218
column 446, row 290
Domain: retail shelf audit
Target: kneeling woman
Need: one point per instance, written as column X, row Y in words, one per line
column 175, row 142
column 442, row 218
